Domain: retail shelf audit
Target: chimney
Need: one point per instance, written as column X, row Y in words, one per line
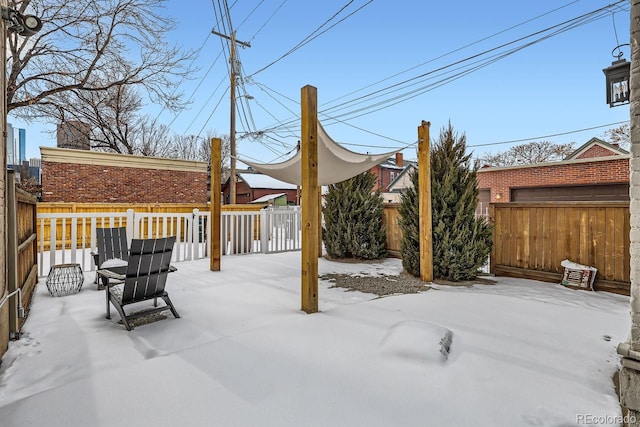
column 399, row 161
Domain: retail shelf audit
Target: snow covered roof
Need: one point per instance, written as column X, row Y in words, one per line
column 259, row 180
column 268, row 197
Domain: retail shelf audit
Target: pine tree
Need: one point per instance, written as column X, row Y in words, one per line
column 353, row 219
column 461, row 242
column 409, row 224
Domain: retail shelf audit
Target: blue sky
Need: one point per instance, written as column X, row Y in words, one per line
column 367, row 71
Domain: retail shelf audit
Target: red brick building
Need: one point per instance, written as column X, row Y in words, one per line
column 251, row 186
column 387, row 171
column 597, row 171
column 90, row 176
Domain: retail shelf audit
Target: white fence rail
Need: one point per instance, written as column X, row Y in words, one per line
column 267, row 231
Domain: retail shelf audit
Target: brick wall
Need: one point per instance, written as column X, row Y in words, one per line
column 596, row 151
column 576, row 172
column 104, row 177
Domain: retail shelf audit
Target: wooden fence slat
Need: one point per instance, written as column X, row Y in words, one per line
column 619, row 240
column 609, row 267
column 583, row 236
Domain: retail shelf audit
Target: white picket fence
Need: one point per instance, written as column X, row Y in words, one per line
column 267, row 231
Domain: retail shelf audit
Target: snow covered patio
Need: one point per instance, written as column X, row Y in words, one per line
column 243, row 354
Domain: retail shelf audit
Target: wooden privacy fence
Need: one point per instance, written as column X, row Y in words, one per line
column 21, row 261
column 532, row 239
column 391, row 220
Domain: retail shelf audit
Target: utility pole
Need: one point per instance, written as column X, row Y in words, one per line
column 234, row 72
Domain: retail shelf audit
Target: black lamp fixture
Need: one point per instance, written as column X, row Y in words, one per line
column 617, row 76
column 24, row 25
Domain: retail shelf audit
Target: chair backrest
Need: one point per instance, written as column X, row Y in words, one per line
column 112, row 243
column 147, row 270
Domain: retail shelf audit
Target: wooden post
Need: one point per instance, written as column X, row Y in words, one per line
column 492, row 255
column 309, row 105
column 215, row 201
column 4, row 320
column 424, row 182
column 12, row 250
column 319, row 222
column 298, row 186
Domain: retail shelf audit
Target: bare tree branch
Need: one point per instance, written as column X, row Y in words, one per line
column 526, row 154
column 80, row 45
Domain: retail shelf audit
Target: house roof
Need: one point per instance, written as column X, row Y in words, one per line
column 594, row 148
column 390, row 163
column 409, row 166
column 268, row 197
column 258, row 180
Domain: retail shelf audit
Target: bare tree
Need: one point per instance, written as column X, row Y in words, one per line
column 620, row 135
column 79, row 47
column 525, row 154
column 192, row 147
column 152, row 138
column 109, row 117
column 189, row 147
column 204, row 151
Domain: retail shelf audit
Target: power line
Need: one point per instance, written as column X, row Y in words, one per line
column 548, row 136
column 312, row 36
column 387, row 91
column 454, row 51
column 569, row 24
column 459, row 66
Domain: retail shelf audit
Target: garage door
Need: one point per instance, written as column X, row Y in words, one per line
column 578, row 193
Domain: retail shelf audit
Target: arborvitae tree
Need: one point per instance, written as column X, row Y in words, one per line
column 353, row 219
column 461, row 242
column 410, row 226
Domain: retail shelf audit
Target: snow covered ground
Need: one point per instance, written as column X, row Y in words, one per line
column 522, row 353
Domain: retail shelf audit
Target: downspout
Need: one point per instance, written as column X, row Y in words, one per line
column 20, row 307
column 630, row 358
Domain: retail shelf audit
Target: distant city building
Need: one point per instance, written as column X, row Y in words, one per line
column 34, row 166
column 22, row 144
column 73, row 134
column 12, row 157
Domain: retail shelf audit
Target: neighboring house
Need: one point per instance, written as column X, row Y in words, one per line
column 596, row 171
column 397, row 186
column 70, row 175
column 251, row 185
column 387, row 171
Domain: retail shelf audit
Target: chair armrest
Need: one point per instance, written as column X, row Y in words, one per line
column 110, row 274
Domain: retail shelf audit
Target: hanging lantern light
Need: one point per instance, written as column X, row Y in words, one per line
column 617, row 76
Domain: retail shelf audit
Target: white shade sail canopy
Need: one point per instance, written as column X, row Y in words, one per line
column 335, row 163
